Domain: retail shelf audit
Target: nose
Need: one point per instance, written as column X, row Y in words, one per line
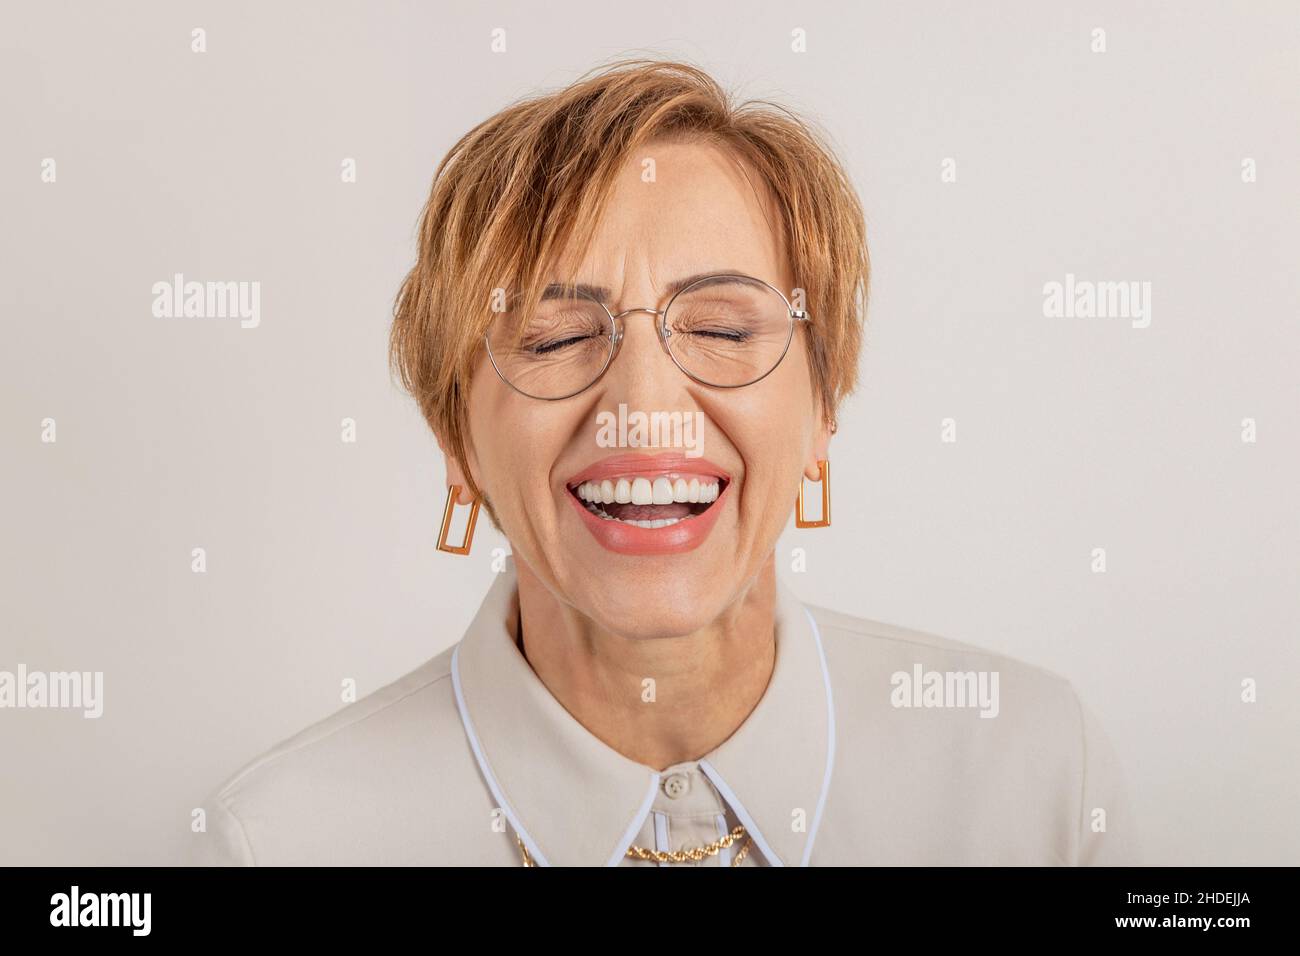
column 642, row 375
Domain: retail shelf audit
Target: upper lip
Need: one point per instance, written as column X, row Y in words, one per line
column 648, row 466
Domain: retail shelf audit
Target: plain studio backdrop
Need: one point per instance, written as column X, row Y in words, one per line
column 1170, row 159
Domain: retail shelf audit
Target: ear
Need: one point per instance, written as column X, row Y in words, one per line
column 455, row 475
column 820, row 448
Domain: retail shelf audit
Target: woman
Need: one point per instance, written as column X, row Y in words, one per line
column 635, row 311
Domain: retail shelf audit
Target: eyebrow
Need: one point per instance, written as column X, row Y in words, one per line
column 560, row 290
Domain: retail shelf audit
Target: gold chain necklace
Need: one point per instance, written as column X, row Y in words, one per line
column 693, row 855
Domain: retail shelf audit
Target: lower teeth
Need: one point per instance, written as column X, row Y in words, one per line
column 653, row 523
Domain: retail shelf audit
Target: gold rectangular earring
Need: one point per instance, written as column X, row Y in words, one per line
column 824, row 467
column 463, row 547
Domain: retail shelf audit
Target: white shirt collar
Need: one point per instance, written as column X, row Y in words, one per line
column 575, row 801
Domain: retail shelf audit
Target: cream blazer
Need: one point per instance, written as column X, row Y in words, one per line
column 873, row 744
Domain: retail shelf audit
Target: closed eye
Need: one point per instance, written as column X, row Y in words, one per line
column 729, row 335
column 546, row 348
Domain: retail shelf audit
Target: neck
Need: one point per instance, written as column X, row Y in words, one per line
column 706, row 682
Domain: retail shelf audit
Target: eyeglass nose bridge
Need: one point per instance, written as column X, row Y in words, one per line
column 662, row 330
column 619, row 315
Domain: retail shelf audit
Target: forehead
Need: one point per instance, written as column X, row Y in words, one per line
column 680, row 209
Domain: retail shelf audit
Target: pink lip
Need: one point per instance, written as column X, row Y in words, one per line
column 685, row 535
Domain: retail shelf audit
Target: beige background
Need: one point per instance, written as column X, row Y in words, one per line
column 1072, row 434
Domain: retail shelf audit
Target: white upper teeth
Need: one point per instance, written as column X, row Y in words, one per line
column 648, row 491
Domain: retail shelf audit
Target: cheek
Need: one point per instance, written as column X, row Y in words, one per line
column 516, row 441
column 776, row 415
column 771, row 430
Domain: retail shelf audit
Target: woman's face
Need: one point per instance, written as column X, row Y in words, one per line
column 656, row 569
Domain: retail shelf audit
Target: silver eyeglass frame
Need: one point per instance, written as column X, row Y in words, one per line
column 664, row 334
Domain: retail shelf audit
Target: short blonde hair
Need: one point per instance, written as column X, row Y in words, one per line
column 518, row 188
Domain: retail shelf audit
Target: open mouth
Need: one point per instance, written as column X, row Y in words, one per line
column 650, row 501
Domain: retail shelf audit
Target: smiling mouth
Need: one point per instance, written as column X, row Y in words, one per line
column 649, row 501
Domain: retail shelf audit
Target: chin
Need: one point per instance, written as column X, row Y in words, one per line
column 653, row 606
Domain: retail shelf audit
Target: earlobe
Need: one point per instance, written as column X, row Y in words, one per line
column 456, row 479
column 456, row 476
column 821, row 450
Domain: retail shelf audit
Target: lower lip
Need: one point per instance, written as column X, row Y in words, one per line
column 622, row 538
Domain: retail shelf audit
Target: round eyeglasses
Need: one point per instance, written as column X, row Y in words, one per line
column 723, row 330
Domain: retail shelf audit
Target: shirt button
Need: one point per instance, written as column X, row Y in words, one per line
column 676, row 784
